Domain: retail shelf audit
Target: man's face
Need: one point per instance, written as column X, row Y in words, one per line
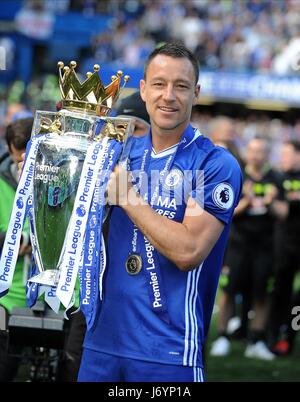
column 224, row 133
column 289, row 158
column 256, row 153
column 16, row 153
column 169, row 92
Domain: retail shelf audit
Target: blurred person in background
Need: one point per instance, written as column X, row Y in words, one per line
column 222, row 133
column 288, row 259
column 16, row 111
column 34, row 20
column 13, row 112
column 17, row 135
column 248, row 265
column 133, row 106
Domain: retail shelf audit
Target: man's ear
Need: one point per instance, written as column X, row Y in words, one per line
column 197, row 92
column 142, row 89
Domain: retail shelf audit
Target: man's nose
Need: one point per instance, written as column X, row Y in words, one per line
column 169, row 93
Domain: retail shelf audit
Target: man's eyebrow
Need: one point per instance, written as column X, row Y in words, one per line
column 183, row 81
column 178, row 81
column 157, row 78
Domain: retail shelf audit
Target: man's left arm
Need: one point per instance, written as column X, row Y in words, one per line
column 189, row 242
column 186, row 244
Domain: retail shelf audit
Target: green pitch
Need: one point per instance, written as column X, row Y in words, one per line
column 236, row 367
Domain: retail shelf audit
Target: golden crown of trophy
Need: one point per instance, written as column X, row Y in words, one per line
column 91, row 95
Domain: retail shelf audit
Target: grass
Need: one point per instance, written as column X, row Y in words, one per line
column 236, row 367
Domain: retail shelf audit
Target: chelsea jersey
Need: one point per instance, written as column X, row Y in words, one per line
column 127, row 324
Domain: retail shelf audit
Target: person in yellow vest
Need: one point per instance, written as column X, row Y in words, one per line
column 248, row 264
column 286, row 296
column 17, row 135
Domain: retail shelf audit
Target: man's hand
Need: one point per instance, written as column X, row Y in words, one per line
column 245, row 201
column 120, row 190
column 248, row 189
column 20, row 165
column 271, row 195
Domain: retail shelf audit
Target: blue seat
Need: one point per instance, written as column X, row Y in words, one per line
column 72, row 32
column 78, row 28
column 9, row 8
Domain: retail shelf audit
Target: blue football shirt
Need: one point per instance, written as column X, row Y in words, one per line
column 126, row 325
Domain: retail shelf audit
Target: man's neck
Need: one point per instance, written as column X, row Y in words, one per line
column 164, row 140
column 256, row 172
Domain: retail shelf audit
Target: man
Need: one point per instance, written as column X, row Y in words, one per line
column 249, row 260
column 17, row 135
column 164, row 254
column 288, row 261
column 222, row 133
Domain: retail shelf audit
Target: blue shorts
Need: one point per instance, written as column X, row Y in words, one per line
column 102, row 367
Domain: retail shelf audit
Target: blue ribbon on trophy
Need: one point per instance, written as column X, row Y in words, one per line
column 32, row 288
column 67, row 165
column 93, row 266
column 10, row 250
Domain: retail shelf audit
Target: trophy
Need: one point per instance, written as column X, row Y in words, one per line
column 67, row 165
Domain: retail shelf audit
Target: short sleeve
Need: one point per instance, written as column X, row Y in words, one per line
column 218, row 185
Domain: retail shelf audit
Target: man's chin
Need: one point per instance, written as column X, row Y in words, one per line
column 168, row 126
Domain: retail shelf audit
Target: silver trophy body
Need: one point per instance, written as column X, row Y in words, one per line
column 57, row 172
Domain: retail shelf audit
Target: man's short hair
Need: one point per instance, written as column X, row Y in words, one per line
column 18, row 133
column 176, row 50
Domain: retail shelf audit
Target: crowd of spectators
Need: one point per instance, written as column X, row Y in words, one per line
column 226, row 35
column 229, row 35
column 275, row 129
